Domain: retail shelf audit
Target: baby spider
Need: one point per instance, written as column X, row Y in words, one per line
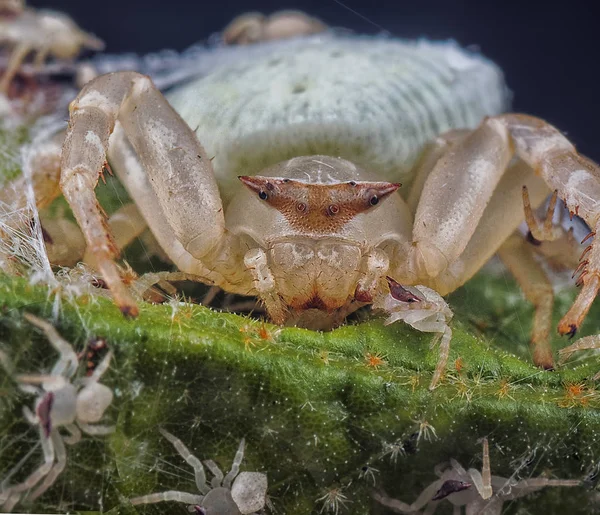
column 41, row 33
column 236, row 493
column 254, row 27
column 456, row 485
column 425, row 310
column 61, row 402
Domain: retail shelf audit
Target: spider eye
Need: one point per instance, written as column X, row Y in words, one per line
column 301, row 206
column 262, row 195
column 374, row 200
column 352, row 183
column 333, row 209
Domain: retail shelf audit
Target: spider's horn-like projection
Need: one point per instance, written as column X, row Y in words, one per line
column 319, row 208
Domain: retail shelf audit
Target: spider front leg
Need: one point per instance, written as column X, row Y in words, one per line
column 452, row 202
column 169, row 153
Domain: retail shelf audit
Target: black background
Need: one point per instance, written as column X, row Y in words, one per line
column 549, row 51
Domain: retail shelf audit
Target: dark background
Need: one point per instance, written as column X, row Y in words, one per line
column 549, row 50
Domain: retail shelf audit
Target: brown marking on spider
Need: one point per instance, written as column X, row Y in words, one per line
column 318, row 208
column 398, row 292
column 450, row 487
column 94, row 351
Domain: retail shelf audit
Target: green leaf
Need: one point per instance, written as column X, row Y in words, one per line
column 313, row 411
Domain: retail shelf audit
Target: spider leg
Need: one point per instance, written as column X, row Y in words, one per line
column 100, row 369
column 235, row 466
column 40, row 472
column 483, row 480
column 196, row 464
column 429, row 158
column 177, row 165
column 494, row 234
column 216, row 472
column 126, row 224
column 132, row 174
column 170, row 495
column 545, row 231
column 527, row 486
column 17, row 57
column 585, row 343
column 28, row 414
column 96, row 429
column 424, row 499
column 444, row 352
column 453, row 200
column 74, row 434
column 10, row 500
column 57, row 468
column 5, row 490
column 67, row 365
column 145, row 283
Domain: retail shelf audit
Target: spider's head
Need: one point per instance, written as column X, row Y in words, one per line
column 318, row 208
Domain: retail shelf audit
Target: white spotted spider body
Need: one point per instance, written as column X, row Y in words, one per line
column 62, row 402
column 235, row 493
column 277, row 175
column 476, row 491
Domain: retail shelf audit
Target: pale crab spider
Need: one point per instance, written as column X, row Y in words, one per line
column 75, row 405
column 314, row 237
column 478, row 492
column 236, row 493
